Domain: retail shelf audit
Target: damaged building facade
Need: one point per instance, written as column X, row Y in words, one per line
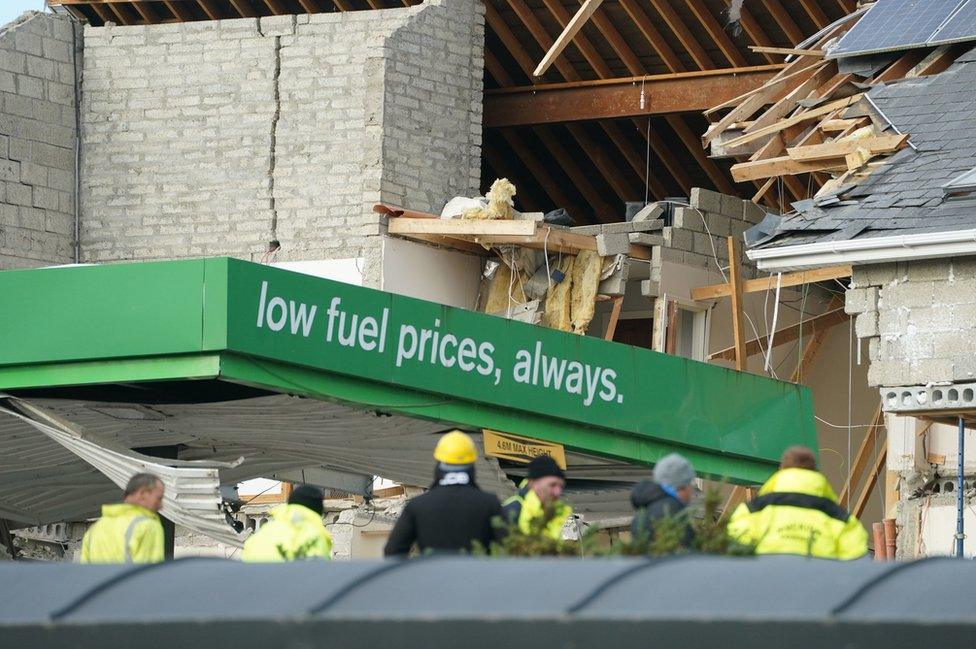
column 329, row 142
column 895, row 157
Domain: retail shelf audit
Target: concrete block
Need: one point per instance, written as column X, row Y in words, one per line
column 930, row 269
column 860, row 300
column 639, row 269
column 616, row 284
column 678, row 238
column 705, row 199
column 866, row 325
column 649, row 213
column 875, row 275
column 644, row 239
column 688, row 219
column 752, row 212
column 612, row 244
column 647, row 226
column 650, row 288
column 731, row 206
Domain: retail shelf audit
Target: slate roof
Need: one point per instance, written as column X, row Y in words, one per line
column 905, row 196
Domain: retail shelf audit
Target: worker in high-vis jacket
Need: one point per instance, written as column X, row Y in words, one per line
column 797, row 512
column 130, row 531
column 536, row 507
column 294, row 532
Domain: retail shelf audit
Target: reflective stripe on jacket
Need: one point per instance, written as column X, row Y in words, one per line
column 797, row 512
column 525, row 508
column 124, row 534
column 294, row 532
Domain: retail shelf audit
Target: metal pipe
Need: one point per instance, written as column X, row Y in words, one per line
column 960, row 495
column 877, row 530
column 891, row 538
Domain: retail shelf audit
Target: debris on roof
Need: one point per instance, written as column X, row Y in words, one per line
column 858, row 142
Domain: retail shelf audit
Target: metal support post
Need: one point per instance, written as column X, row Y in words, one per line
column 960, row 490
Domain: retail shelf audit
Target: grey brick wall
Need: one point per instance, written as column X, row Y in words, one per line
column 216, row 137
column 37, row 140
column 919, row 319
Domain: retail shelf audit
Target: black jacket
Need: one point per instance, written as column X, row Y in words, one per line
column 652, row 504
column 446, row 519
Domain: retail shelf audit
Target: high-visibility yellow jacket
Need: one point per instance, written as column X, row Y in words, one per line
column 294, row 532
column 796, row 512
column 125, row 534
column 525, row 508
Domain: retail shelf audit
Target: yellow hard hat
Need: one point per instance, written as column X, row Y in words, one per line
column 455, row 448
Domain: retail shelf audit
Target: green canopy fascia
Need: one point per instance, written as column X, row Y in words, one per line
column 287, row 332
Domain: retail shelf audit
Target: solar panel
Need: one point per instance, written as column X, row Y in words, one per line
column 961, row 26
column 896, row 25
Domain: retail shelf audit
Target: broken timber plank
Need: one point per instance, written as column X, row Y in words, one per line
column 862, row 501
column 789, row 279
column 783, row 166
column 735, row 287
column 455, row 227
column 799, row 118
column 789, row 51
column 833, row 150
column 618, row 303
column 775, row 84
column 393, row 210
column 571, row 29
column 558, row 241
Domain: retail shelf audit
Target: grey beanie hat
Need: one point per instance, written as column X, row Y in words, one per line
column 673, row 471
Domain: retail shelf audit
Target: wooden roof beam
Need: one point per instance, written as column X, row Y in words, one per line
column 603, row 210
column 784, row 21
column 178, row 9
column 146, row 11
column 717, row 33
column 817, row 15
column 209, row 9
column 693, row 143
column 755, row 31
column 652, row 35
column 683, row 34
column 570, row 30
column 613, row 98
column 539, row 33
column 581, row 42
column 637, row 162
column 276, row 7
column 538, row 170
column 244, row 8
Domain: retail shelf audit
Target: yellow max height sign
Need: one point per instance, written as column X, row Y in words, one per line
column 521, row 449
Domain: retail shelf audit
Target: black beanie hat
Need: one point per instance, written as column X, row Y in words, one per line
column 307, row 496
column 542, row 466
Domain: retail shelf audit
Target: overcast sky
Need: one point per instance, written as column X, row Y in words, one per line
column 10, row 9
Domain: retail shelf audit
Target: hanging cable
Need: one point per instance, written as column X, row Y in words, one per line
column 772, row 333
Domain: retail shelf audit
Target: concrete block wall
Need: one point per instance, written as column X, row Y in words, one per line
column 38, row 57
column 214, row 138
column 919, row 320
column 698, row 234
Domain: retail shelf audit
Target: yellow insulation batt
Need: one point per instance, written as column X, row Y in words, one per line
column 557, row 299
column 498, row 293
column 586, row 280
column 500, row 202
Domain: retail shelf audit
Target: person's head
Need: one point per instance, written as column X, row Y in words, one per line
column 546, row 479
column 675, row 472
column 308, row 496
column 145, row 490
column 455, row 451
column 798, row 457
